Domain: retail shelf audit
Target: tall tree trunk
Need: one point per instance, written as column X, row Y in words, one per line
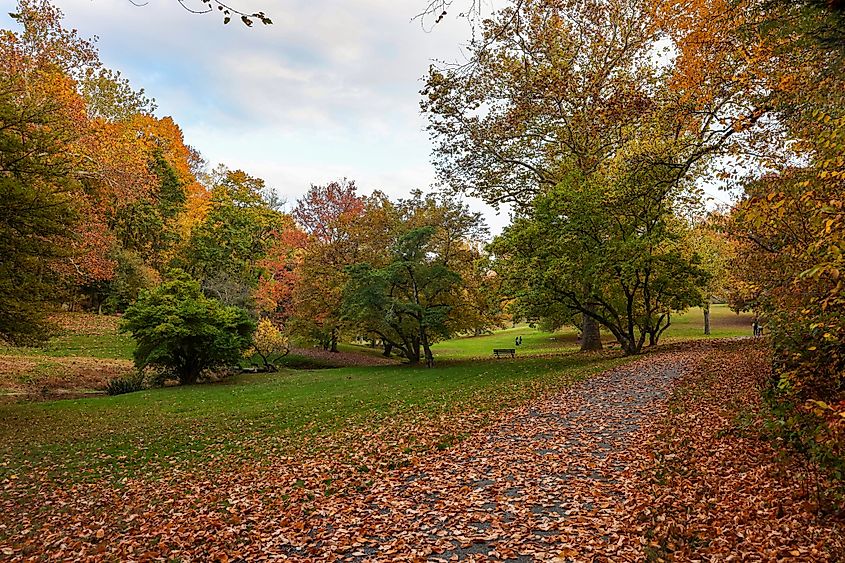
column 707, row 317
column 388, row 348
column 590, row 334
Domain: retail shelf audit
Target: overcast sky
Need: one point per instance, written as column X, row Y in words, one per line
column 330, row 90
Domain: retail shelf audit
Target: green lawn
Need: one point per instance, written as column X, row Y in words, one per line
column 534, row 343
column 111, row 345
column 690, row 325
column 724, row 323
column 251, row 415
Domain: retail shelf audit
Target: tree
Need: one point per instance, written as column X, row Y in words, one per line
column 268, row 343
column 716, row 252
column 786, row 60
column 182, row 332
column 40, row 114
column 416, row 293
column 281, row 274
column 556, row 88
column 405, row 303
column 612, row 249
column 237, row 231
column 328, row 215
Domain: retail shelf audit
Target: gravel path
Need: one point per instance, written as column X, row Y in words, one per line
column 544, row 484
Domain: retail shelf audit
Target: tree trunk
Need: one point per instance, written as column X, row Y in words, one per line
column 707, row 317
column 388, row 348
column 429, row 357
column 413, row 355
column 189, row 376
column 414, row 351
column 426, row 346
column 590, row 334
column 334, row 341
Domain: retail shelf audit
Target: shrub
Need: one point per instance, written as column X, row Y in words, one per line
column 268, row 342
column 129, row 384
column 183, row 333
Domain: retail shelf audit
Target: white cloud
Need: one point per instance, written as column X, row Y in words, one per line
column 329, row 90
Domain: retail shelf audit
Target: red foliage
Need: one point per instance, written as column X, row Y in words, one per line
column 325, row 211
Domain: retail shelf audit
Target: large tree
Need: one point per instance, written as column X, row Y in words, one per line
column 39, row 111
column 554, row 88
column 611, row 248
column 329, row 215
column 236, row 232
column 424, row 284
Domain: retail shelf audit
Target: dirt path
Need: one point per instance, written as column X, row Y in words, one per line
column 543, row 484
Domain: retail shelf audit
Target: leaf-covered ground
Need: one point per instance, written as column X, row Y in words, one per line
column 708, row 485
column 653, row 459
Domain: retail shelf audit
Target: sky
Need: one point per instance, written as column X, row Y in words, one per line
column 329, row 90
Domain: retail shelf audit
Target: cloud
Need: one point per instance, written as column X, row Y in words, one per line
column 331, row 89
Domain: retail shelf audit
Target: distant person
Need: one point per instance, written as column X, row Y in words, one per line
column 520, row 341
column 516, row 341
column 755, row 328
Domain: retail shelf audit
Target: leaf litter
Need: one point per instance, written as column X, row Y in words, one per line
column 637, row 463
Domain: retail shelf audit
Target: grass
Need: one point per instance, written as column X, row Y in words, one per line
column 110, row 345
column 689, row 325
column 724, row 323
column 534, row 343
column 252, row 415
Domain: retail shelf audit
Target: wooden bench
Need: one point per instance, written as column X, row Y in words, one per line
column 499, row 352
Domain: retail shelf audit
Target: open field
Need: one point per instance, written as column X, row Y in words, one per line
column 91, row 351
column 690, row 325
column 724, row 323
column 251, row 414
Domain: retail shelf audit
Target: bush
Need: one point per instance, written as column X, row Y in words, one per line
column 129, row 384
column 183, row 333
column 268, row 342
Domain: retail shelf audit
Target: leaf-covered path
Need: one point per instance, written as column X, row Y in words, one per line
column 645, row 461
column 546, row 482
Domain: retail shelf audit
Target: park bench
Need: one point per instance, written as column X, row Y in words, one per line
column 499, row 352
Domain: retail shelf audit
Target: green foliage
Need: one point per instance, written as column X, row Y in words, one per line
column 132, row 275
column 613, row 250
column 183, row 333
column 37, row 206
column 405, row 303
column 122, row 385
column 421, row 276
column 236, row 231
